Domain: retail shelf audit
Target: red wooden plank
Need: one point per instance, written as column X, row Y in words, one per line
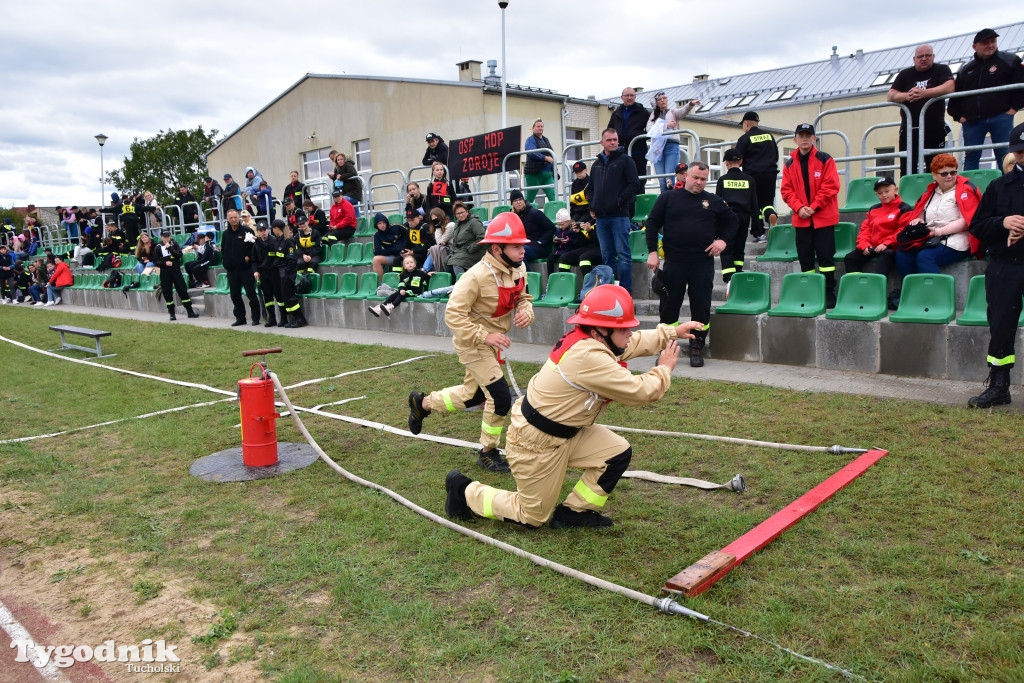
column 770, row 529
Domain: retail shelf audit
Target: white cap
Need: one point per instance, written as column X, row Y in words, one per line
column 562, row 216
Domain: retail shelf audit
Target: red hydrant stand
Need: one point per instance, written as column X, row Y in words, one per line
column 259, row 419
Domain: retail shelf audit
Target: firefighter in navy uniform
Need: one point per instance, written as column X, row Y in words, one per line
column 167, row 255
column 760, row 155
column 553, row 427
column 309, row 248
column 999, row 224
column 740, row 192
column 267, row 258
column 287, row 270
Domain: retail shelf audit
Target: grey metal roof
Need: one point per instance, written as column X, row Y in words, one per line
column 839, row 76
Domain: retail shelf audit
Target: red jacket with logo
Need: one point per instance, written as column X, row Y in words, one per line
column 968, row 198
column 882, row 223
column 824, row 197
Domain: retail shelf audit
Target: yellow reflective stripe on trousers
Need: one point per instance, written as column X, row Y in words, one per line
column 728, row 271
column 448, row 405
column 493, row 431
column 488, row 511
column 294, row 308
column 586, row 494
column 1000, row 362
column 826, row 269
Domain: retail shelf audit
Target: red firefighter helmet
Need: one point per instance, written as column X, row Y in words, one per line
column 506, row 228
column 606, row 306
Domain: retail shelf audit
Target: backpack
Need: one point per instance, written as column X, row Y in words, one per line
column 113, row 280
column 600, row 275
column 303, row 285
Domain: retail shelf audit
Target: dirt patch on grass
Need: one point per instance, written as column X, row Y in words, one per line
column 64, row 596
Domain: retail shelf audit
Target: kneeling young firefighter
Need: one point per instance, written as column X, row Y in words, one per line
column 486, row 301
column 553, row 426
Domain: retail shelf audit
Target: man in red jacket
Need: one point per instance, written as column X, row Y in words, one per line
column 810, row 185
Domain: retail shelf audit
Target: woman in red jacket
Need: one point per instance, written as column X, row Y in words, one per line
column 59, row 279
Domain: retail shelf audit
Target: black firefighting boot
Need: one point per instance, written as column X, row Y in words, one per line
column 271, row 317
column 998, row 391
column 170, row 310
column 298, row 320
column 830, row 290
column 416, row 412
column 188, row 309
column 566, row 518
column 697, row 348
column 455, row 506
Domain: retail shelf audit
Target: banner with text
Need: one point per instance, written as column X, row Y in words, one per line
column 482, row 154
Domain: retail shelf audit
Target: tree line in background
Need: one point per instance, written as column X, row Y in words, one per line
column 165, row 162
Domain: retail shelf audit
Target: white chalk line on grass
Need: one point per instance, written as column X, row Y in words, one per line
column 17, row 632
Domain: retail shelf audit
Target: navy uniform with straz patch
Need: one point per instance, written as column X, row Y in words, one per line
column 740, row 193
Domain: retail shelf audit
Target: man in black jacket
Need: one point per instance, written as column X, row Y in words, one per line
column 539, row 228
column 629, row 121
column 999, row 224
column 437, row 150
column 696, row 227
column 760, row 154
column 236, row 253
column 991, row 113
column 615, row 186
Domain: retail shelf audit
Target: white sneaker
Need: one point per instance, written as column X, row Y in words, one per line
column 50, row 303
column 387, row 308
column 375, row 310
column 39, row 303
column 15, row 301
column 5, row 300
column 56, row 301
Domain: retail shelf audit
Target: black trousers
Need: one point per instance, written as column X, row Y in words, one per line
column 881, row 263
column 171, row 280
column 1004, row 287
column 270, row 287
column 197, row 273
column 237, row 279
column 585, row 257
column 699, row 278
column 735, row 251
column 764, row 183
column 292, row 303
column 932, row 139
column 816, row 242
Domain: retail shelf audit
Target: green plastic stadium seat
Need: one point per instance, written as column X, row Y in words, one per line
column 437, row 281
column 749, row 294
column 148, row 283
column 220, row 287
column 802, row 296
column 367, row 287
column 480, row 212
column 180, row 239
column 367, row 255
column 638, row 246
column 129, row 261
column 642, row 208
column 328, row 286
column 396, row 219
column 781, row 244
column 976, row 308
column 860, row 195
column 561, row 291
column 982, row 176
column 336, row 257
column 913, row 186
column 353, row 254
column 551, row 208
column 187, row 257
column 533, row 284
column 862, row 296
column 314, row 281
column 926, row 298
column 846, row 239
column 348, row 285
column 364, row 227
column 499, row 208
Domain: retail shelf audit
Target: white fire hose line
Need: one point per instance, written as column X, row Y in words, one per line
column 666, row 605
column 336, row 403
column 356, row 372
column 17, row 632
column 834, row 450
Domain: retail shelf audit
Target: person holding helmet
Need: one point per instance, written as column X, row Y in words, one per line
column 487, row 300
column 553, row 426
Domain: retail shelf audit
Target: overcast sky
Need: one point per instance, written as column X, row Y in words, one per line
column 73, row 69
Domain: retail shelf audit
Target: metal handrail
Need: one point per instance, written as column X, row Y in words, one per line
column 371, row 205
column 668, row 133
column 566, row 187
column 555, row 164
column 922, row 152
column 503, row 194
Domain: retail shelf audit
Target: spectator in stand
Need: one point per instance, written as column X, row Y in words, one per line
column 414, row 198
column 288, row 209
column 6, row 274
column 69, row 221
column 20, row 283
column 466, row 250
column 44, row 270
column 810, row 186
column 579, row 194
column 876, row 239
column 6, row 231
column 212, row 192
column 247, row 220
column 144, row 263
column 198, row 270
column 60, row 278
column 664, row 152
column 231, row 196
column 616, row 185
column 167, row 254
column 584, row 251
column 999, row 224
column 913, row 87
column 411, row 283
column 419, row 237
column 82, row 254
column 118, row 239
column 308, row 248
column 236, row 254
column 317, row 217
column 539, row 228
column 264, row 200
column 761, row 162
column 437, row 150
column 696, row 227
column 740, row 192
column 443, row 229
column 562, row 241
column 151, row 210
column 388, row 243
column 346, row 179
column 945, row 210
column 343, row 220
column 465, row 193
column 990, row 113
column 441, row 191
column 540, row 167
column 253, row 178
column 295, row 190
column 630, row 121
column 189, row 208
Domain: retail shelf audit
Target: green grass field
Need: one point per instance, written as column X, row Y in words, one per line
column 913, row 572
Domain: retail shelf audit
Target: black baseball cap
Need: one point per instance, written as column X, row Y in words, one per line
column 432, row 136
column 732, row 155
column 804, row 128
column 165, row 233
column 984, row 34
column 1016, row 141
column 751, row 116
column 681, row 168
column 413, row 213
column 579, row 167
column 301, row 220
column 336, row 193
column 883, row 182
column 279, row 223
column 226, row 176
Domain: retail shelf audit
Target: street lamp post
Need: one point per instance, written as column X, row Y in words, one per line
column 504, row 118
column 101, row 138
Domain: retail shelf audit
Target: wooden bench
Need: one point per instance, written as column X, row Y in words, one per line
column 84, row 332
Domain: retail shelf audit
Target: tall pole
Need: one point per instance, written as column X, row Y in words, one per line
column 504, row 73
column 101, row 138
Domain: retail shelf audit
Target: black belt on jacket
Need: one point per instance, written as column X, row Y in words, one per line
column 546, row 425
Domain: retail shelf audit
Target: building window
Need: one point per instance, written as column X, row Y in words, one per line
column 955, row 66
column 316, row 164
column 885, row 161
column 880, row 79
column 788, row 95
column 707, row 106
column 363, row 165
column 711, row 154
column 574, row 153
